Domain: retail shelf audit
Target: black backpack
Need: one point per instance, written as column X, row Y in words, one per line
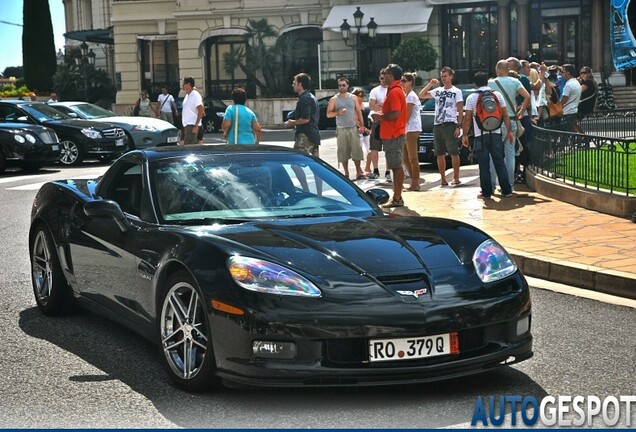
column 488, row 113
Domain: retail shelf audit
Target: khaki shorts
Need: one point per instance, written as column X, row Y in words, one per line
column 303, row 143
column 348, row 142
column 167, row 116
column 190, row 136
column 445, row 139
column 393, row 151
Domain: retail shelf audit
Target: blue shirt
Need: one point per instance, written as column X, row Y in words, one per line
column 245, row 119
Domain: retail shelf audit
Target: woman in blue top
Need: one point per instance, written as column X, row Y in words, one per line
column 240, row 125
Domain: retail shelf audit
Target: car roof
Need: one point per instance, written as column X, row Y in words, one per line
column 68, row 103
column 20, row 102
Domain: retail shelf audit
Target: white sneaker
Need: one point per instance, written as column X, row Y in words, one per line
column 388, row 179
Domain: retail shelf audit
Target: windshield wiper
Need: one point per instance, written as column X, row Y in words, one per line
column 210, row 221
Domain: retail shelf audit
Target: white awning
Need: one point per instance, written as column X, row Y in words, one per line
column 403, row 17
column 453, row 2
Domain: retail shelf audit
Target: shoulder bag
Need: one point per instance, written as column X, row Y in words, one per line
column 520, row 128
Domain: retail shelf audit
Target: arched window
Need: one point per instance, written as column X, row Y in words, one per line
column 221, row 77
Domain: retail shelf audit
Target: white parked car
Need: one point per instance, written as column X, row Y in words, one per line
column 142, row 132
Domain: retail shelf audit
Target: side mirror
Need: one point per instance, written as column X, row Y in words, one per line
column 23, row 119
column 72, row 115
column 379, row 196
column 107, row 209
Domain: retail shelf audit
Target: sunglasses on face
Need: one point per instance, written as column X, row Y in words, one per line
column 342, row 85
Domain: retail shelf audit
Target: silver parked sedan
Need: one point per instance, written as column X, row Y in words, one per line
column 143, row 132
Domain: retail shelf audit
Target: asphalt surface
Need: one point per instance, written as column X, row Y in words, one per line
column 82, row 371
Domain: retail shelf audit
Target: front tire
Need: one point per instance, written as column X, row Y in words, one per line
column 184, row 335
column 71, row 153
column 52, row 293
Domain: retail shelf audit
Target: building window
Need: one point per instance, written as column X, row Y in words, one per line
column 471, row 42
column 221, row 78
column 159, row 66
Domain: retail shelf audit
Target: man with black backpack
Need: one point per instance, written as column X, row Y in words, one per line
column 487, row 110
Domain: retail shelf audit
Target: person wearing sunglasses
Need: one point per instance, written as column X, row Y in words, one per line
column 346, row 109
column 413, row 129
column 589, row 94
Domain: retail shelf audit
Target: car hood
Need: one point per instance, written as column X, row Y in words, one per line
column 81, row 124
column 375, row 246
column 134, row 121
column 21, row 127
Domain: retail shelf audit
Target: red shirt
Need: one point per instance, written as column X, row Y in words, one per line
column 395, row 101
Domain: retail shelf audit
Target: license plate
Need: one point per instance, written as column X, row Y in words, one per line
column 119, row 142
column 413, row 348
column 55, row 147
column 422, row 149
column 173, row 139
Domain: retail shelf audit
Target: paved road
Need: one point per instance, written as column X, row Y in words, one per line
column 83, row 371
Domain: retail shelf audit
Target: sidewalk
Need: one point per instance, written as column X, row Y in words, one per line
column 548, row 239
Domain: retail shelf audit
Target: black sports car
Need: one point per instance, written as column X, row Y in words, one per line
column 264, row 266
column 27, row 146
column 79, row 139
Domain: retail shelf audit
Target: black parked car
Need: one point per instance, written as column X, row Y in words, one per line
column 27, row 146
column 241, row 271
column 426, row 147
column 79, row 139
column 214, row 113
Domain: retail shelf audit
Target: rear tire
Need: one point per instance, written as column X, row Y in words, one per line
column 52, row 293
column 185, row 336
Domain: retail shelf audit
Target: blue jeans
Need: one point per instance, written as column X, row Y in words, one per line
column 509, row 156
column 489, row 148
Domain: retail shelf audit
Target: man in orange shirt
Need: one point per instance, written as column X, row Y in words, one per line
column 393, row 130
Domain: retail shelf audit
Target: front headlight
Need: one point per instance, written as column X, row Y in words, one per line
column 492, row 262
column 19, row 138
column 30, row 138
column 91, row 133
column 146, row 128
column 266, row 277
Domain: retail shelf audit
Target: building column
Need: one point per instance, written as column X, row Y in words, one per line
column 522, row 28
column 503, row 28
column 598, row 56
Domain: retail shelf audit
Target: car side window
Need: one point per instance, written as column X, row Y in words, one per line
column 127, row 188
column 8, row 114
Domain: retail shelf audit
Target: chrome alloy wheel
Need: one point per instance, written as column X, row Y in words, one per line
column 42, row 268
column 184, row 333
column 69, row 152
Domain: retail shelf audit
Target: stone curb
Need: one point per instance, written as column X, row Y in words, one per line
column 577, row 275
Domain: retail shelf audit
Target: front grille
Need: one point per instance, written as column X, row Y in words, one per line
column 113, row 133
column 48, row 137
column 402, row 278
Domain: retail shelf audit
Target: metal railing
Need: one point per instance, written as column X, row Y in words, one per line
column 603, row 157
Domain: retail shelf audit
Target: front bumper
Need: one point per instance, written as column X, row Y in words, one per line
column 107, row 146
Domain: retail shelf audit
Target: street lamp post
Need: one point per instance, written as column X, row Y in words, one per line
column 357, row 44
column 83, row 59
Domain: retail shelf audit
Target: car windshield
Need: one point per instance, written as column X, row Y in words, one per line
column 90, row 111
column 43, row 113
column 254, row 185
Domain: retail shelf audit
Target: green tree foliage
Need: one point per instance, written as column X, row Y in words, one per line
column 415, row 54
column 263, row 62
column 38, row 48
column 13, row 71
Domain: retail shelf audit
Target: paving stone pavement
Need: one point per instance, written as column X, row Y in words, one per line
column 549, row 239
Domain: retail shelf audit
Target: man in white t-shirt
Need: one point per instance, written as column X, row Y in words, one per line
column 571, row 95
column 166, row 105
column 487, row 145
column 449, row 114
column 193, row 111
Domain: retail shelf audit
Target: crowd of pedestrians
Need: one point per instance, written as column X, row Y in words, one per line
column 528, row 93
